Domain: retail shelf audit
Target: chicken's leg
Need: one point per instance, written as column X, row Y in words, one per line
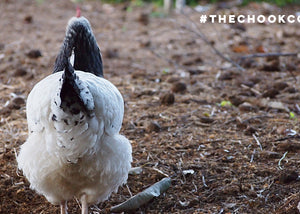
column 63, row 207
column 85, row 207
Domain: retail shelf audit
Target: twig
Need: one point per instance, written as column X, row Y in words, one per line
column 130, row 193
column 158, row 170
column 213, row 111
column 257, row 141
column 221, row 211
column 267, row 55
column 143, row 197
column 195, row 186
column 288, row 137
column 135, row 170
column 281, row 159
column 205, row 39
column 252, row 156
column 203, row 181
column 77, row 201
column 16, row 156
column 293, row 75
column 297, row 107
column 256, row 117
column 251, row 89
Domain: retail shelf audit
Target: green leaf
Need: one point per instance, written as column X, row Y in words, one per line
column 225, row 103
column 206, row 114
column 165, row 71
column 292, row 115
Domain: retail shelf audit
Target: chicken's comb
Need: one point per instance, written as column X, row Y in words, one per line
column 78, row 12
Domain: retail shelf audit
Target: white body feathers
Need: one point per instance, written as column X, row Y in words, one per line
column 67, row 155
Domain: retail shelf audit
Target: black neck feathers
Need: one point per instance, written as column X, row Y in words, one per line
column 81, row 42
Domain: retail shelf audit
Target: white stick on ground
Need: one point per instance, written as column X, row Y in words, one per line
column 143, row 197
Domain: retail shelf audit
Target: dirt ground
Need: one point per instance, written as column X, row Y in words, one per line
column 228, row 138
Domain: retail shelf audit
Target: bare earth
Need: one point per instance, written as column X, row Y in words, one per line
column 222, row 158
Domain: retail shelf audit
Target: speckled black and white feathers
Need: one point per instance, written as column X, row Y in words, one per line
column 74, row 95
column 81, row 42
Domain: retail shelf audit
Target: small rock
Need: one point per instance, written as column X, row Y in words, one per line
column 138, row 74
column 247, row 107
column 153, row 127
column 271, row 93
column 28, row 19
column 280, row 86
column 167, row 99
column 35, row 53
column 249, row 130
column 178, row 87
column 272, row 66
column 144, row 18
column 288, row 177
column 20, row 72
column 206, row 120
column 192, row 61
column 266, row 103
column 240, row 48
column 16, row 103
column 235, row 100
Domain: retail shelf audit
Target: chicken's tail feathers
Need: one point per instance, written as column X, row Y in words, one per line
column 69, row 72
column 81, row 42
column 74, row 94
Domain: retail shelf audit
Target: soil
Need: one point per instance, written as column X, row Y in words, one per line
column 228, row 138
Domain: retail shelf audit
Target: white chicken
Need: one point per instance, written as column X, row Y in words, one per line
column 74, row 116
